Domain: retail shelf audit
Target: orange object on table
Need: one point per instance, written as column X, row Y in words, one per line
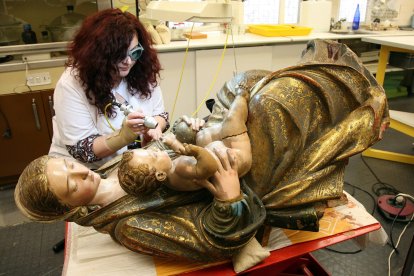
column 195, row 35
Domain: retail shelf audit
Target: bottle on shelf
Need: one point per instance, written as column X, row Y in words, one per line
column 28, row 35
column 412, row 21
column 45, row 36
column 355, row 22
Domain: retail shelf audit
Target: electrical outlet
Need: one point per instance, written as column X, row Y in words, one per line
column 42, row 78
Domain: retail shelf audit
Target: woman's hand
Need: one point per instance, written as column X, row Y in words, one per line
column 154, row 134
column 225, row 184
column 135, row 121
column 151, row 134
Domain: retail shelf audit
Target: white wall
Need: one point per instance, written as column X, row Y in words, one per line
column 405, row 13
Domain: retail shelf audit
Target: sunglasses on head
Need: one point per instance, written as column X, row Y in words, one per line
column 136, row 52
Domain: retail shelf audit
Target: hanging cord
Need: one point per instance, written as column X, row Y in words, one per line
column 106, row 116
column 27, row 73
column 181, row 73
column 109, row 123
column 234, row 54
column 26, row 79
column 215, row 76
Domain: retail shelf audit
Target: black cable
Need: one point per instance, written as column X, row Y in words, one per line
column 7, row 130
column 389, row 189
column 385, row 189
column 352, row 186
column 372, row 212
column 371, row 196
column 343, row 252
column 392, row 225
column 378, row 192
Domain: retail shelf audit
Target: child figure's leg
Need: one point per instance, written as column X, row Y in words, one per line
column 235, row 121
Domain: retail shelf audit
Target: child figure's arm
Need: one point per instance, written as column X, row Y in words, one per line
column 171, row 141
column 206, row 164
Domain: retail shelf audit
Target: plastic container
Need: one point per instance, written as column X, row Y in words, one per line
column 10, row 30
column 64, row 27
column 279, row 30
column 45, row 36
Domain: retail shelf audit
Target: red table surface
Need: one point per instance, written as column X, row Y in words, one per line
column 290, row 252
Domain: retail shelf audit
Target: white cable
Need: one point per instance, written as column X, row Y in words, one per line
column 406, row 195
column 27, row 73
column 26, row 80
column 399, row 238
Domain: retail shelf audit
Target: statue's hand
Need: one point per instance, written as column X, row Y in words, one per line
column 243, row 90
column 195, row 123
column 171, row 141
column 189, row 150
column 225, row 183
column 206, row 164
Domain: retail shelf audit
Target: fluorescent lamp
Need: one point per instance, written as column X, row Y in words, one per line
column 180, row 11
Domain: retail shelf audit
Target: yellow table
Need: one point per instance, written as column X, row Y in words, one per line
column 401, row 121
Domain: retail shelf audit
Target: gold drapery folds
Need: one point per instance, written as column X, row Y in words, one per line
column 304, row 123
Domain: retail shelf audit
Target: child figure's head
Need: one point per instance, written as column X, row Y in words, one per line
column 142, row 171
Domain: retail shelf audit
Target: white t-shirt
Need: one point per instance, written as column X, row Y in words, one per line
column 76, row 119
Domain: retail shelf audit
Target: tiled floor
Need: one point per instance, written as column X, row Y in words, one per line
column 26, row 248
column 9, row 214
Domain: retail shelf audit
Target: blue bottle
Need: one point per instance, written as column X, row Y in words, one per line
column 355, row 22
column 28, row 36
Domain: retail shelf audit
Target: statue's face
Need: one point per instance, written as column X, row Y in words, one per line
column 71, row 182
column 153, row 157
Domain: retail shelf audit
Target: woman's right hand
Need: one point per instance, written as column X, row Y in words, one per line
column 135, row 121
column 132, row 127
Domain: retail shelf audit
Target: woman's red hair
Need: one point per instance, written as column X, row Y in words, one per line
column 100, row 44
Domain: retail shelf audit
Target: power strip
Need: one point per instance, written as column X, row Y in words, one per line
column 42, row 78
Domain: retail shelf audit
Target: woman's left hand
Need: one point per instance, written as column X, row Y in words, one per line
column 151, row 134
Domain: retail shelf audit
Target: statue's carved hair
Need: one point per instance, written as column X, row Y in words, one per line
column 34, row 197
column 137, row 180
